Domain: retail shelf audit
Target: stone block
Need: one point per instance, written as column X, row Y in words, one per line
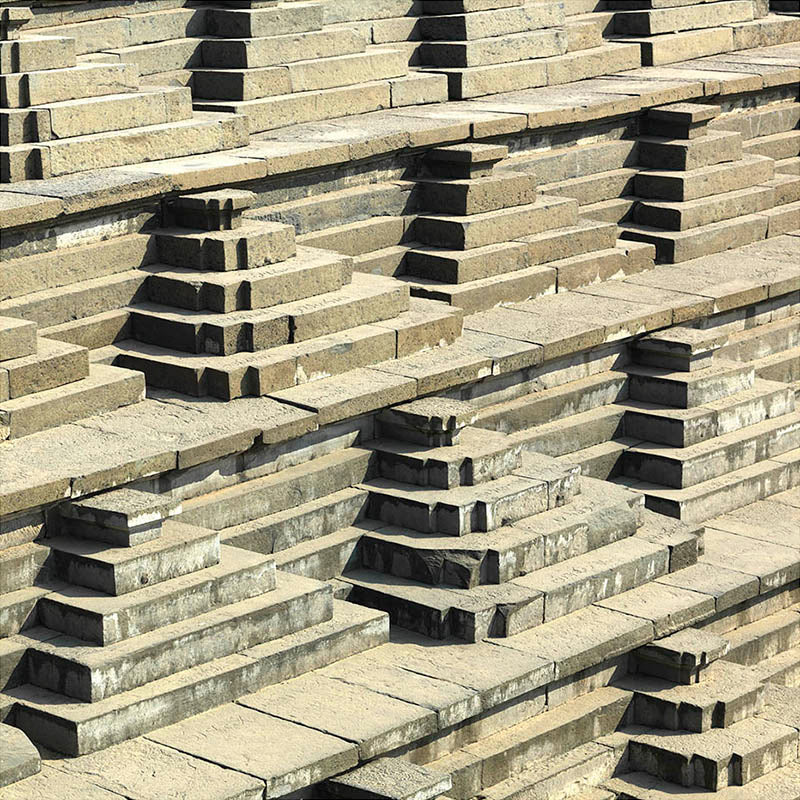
column 17, row 338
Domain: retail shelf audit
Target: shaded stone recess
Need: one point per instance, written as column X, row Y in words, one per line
column 398, row 399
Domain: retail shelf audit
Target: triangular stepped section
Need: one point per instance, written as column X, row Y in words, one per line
column 466, row 535
column 60, row 117
column 711, row 436
column 280, row 65
column 45, row 383
column 511, row 45
column 155, row 621
column 237, row 308
column 486, row 236
column 699, row 192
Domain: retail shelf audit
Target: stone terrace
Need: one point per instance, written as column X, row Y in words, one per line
column 445, row 450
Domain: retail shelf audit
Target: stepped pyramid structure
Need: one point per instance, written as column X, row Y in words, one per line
column 493, row 46
column 151, row 620
column 474, row 538
column 236, row 308
column 45, row 383
column 278, row 64
column 58, row 117
column 486, row 236
column 700, row 193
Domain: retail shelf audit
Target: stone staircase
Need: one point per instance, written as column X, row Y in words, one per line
column 503, row 46
column 149, row 620
column 45, row 383
column 702, row 420
column 235, row 307
column 281, row 65
column 700, row 193
column 485, row 236
column 463, row 534
column 58, row 117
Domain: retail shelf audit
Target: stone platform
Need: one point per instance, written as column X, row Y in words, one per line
column 411, row 412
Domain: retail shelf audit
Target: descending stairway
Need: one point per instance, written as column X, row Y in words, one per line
column 700, row 192
column 58, row 117
column 149, row 620
column 237, row 308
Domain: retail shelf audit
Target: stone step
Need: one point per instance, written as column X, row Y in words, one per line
column 788, row 166
column 485, row 293
column 40, row 87
column 678, row 246
column 586, row 429
column 203, row 133
column 783, row 783
column 783, row 367
column 53, row 364
column 465, row 196
column 603, row 460
column 17, row 338
column 440, row 612
column 20, row 758
column 325, row 556
column 682, row 428
column 76, row 728
column 390, row 778
column 273, row 51
column 762, row 341
column 307, row 274
column 247, row 246
column 718, row 758
column 479, row 456
column 558, row 777
column 229, row 377
column 683, row 216
column 714, row 458
column 584, row 33
column 482, row 766
column 458, row 266
column 715, row 147
column 443, row 21
column 180, row 550
column 300, row 76
column 251, row 23
column 468, row 82
column 597, row 575
column 782, row 669
column 727, row 694
column 765, row 638
column 77, row 301
column 21, row 565
column 777, row 146
column 479, row 230
column 457, row 511
column 683, row 17
column 595, row 188
column 554, row 403
column 102, row 619
column 114, row 112
column 279, row 111
column 717, row 496
column 91, row 673
column 689, row 389
column 359, row 237
column 368, row 299
column 502, row 49
column 104, row 389
column 590, row 520
column 286, row 489
column 695, row 184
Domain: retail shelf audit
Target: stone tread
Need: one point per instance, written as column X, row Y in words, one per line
column 762, row 639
